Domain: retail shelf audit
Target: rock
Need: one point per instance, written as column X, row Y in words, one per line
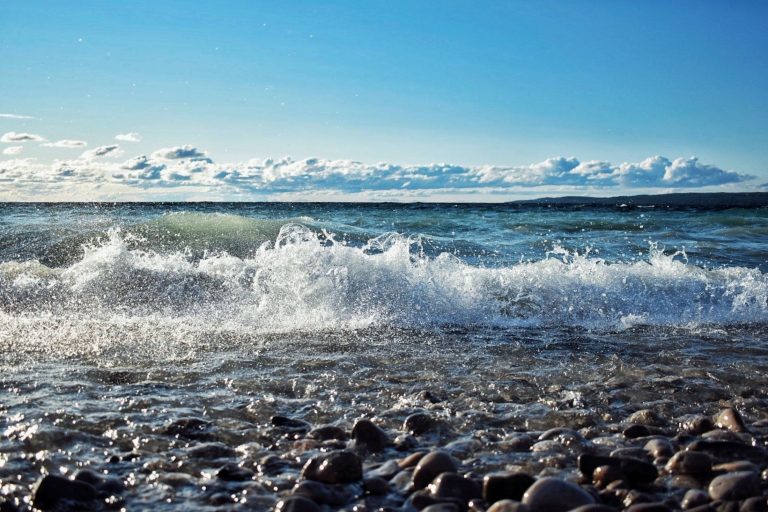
column 336, row 467
column 635, row 431
column 53, row 489
column 442, row 507
column 431, row 465
column 506, row 486
column 635, row 470
column 411, row 460
column 659, row 448
column 594, row 508
column 290, row 423
column 730, row 450
column 731, row 419
column 418, row 423
column 735, row 486
column 508, row 506
column 405, row 443
column 453, row 485
column 328, row 432
column 367, row 436
column 192, row 429
column 376, row 486
column 737, row 465
column 696, row 424
column 694, row 498
column 646, row 417
column 211, row 451
column 562, row 435
column 689, row 463
column 385, row 471
column 323, row 494
column 649, row 507
column 551, row 494
column 234, row 473
column 271, row 465
column 754, row 504
column 604, row 475
column 297, row 504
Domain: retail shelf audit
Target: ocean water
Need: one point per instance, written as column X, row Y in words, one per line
column 119, row 320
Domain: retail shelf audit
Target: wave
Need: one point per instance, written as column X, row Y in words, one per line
column 302, row 278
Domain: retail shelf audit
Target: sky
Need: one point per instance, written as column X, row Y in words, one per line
column 380, row 100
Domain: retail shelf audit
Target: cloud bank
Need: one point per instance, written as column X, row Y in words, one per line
column 188, row 170
column 128, row 137
column 66, row 143
column 9, row 137
column 13, row 150
column 14, row 116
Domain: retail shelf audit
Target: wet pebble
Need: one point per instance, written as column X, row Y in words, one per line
column 730, row 419
column 336, row 467
column 550, row 494
column 234, row 473
column 324, row 494
column 297, row 504
column 431, row 465
column 328, row 432
column 418, row 423
column 506, row 486
column 453, row 485
column 694, row 498
column 735, row 486
column 367, row 436
column 54, row 489
column 508, row 506
column 659, row 447
column 689, row 463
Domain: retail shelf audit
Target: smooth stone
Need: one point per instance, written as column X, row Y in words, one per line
column 649, row 507
column 385, row 471
column 431, row 465
column 703, row 508
column 604, row 475
column 53, row 489
column 727, row 506
column 646, row 417
column 323, row 494
column 559, row 434
column 695, row 423
column 689, row 463
column 193, row 429
column 442, row 507
column 405, row 443
column 519, row 442
column 422, row 499
column 506, row 486
column 402, row 482
column 271, row 465
column 453, row 485
column 290, row 423
column 297, row 504
column 635, row 470
column 211, row 451
column 635, row 431
column 754, row 504
column 508, row 506
column 328, row 432
column 368, row 436
column 550, row 494
column 418, row 423
column 376, row 486
column 631, row 453
column 730, row 449
column 411, row 460
column 659, row 448
column 337, row 467
column 737, row 465
column 731, row 419
column 735, row 486
column 234, row 473
column 694, row 498
column 595, row 507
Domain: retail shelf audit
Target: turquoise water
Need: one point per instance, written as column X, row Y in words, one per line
column 116, row 320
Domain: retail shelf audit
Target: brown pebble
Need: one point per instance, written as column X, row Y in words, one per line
column 635, row 470
column 646, row 417
column 418, row 423
column 508, row 506
column 659, row 447
column 506, row 486
column 649, row 507
column 367, row 436
column 411, row 460
column 737, row 465
column 453, row 485
column 328, row 432
column 694, row 498
column 635, row 431
column 296, row 504
column 604, row 475
column 696, row 424
column 689, row 463
column 754, row 504
column 336, row 467
column 431, row 465
column 734, row 486
column 550, row 494
column 731, row 419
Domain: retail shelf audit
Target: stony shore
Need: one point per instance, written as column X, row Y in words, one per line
column 644, row 463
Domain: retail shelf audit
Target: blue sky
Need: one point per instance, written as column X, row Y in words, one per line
column 508, row 86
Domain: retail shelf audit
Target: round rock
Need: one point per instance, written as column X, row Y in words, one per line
column 735, row 486
column 337, row 467
column 297, row 504
column 418, row 423
column 506, row 486
column 689, row 463
column 54, row 489
column 368, row 436
column 431, row 465
column 551, row 494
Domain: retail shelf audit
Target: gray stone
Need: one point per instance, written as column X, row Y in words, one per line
column 735, row 486
column 551, row 494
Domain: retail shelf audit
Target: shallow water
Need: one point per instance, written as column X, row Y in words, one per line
column 118, row 320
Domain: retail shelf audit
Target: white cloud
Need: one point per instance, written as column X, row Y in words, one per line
column 185, row 171
column 15, row 116
column 111, row 150
column 66, row 143
column 20, row 137
column 13, row 150
column 128, row 137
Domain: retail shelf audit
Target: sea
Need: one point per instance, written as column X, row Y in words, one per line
column 120, row 320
